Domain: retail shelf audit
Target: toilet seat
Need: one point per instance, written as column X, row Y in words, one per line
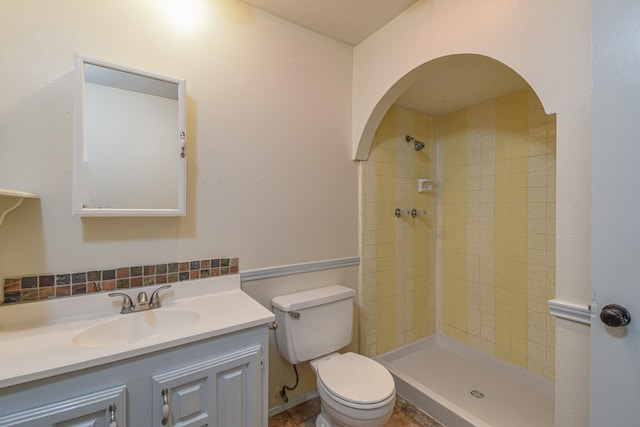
column 356, row 381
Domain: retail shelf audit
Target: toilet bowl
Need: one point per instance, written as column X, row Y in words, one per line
column 354, row 390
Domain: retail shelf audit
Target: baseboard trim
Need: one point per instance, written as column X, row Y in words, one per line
column 293, row 402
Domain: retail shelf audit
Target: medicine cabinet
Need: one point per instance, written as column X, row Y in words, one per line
column 129, row 142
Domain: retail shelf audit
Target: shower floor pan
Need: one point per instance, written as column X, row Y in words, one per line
column 460, row 386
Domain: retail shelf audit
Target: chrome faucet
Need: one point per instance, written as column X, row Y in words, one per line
column 143, row 302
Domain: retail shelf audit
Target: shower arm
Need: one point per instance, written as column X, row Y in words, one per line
column 419, row 145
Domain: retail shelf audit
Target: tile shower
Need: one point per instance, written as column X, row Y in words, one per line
column 480, row 265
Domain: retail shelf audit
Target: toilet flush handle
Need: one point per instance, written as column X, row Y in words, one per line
column 294, row 314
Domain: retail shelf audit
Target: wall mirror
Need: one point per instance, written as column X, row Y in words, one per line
column 129, row 142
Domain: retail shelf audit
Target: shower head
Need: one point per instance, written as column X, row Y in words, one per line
column 419, row 145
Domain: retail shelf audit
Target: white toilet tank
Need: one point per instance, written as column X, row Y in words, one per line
column 313, row 323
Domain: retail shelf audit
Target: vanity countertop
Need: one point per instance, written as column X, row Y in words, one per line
column 47, row 338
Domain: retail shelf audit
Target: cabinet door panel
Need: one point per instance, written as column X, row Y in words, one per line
column 234, row 388
column 91, row 410
column 190, row 399
column 224, row 391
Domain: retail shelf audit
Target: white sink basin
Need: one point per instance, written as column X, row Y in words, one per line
column 135, row 327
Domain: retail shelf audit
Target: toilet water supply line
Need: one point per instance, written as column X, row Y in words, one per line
column 283, row 392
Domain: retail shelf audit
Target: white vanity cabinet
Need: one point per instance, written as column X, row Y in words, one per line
column 219, row 381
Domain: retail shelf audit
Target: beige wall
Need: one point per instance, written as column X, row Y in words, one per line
column 556, row 62
column 270, row 178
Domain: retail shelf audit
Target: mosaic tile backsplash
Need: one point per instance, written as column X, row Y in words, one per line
column 34, row 288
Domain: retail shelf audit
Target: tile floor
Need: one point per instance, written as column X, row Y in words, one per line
column 304, row 415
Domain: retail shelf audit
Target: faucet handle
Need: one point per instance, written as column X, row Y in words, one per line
column 142, row 298
column 127, row 304
column 155, row 297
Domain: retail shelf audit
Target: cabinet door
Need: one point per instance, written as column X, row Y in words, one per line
column 105, row 408
column 223, row 391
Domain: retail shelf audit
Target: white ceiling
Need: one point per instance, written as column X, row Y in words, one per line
column 449, row 83
column 348, row 21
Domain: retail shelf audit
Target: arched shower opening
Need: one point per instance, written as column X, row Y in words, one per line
column 458, row 238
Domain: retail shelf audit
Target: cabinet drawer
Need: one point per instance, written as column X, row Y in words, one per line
column 96, row 409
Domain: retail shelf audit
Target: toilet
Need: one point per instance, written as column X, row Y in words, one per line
column 354, row 390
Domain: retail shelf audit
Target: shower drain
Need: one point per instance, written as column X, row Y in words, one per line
column 477, row 394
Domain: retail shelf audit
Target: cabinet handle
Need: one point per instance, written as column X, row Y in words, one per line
column 165, row 407
column 112, row 416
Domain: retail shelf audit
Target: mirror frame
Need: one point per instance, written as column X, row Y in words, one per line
column 78, row 207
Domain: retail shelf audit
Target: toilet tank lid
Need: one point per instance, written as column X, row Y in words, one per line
column 311, row 298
